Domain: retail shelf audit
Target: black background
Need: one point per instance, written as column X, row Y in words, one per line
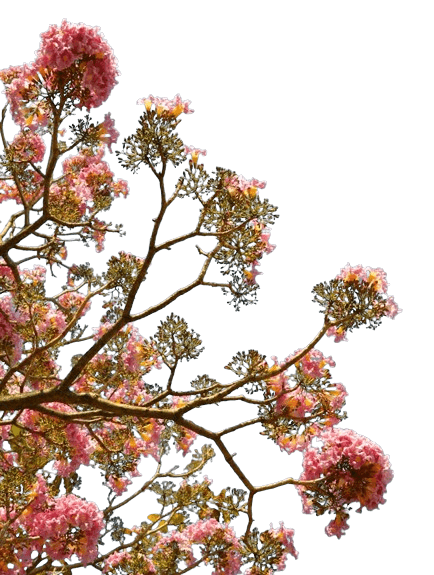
column 317, row 121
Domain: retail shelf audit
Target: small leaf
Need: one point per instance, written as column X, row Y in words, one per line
column 154, row 517
column 177, row 519
column 15, row 430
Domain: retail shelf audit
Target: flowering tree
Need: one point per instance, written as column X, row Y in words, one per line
column 103, row 412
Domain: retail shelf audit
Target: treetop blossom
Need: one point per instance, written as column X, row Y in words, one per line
column 73, row 49
column 67, row 44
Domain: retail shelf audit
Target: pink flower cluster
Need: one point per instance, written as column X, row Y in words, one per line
column 85, row 179
column 366, row 481
column 48, row 320
column 339, row 333
column 61, row 49
column 149, row 444
column 138, row 353
column 48, row 523
column 164, row 106
column 116, row 559
column 72, row 301
column 298, row 404
column 11, row 341
column 63, row 46
column 32, row 188
column 286, row 537
column 313, row 364
column 264, row 236
column 208, row 533
column 266, row 248
column 80, row 444
column 81, row 447
column 203, row 529
column 373, row 277
column 27, row 147
column 238, row 185
column 6, row 274
column 24, row 96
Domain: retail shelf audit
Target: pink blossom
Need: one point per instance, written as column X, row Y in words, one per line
column 119, row 484
column 63, row 46
column 146, row 565
column 82, row 445
column 244, row 184
column 366, row 481
column 172, row 107
column 194, row 153
column 73, row 300
column 204, row 530
column 251, row 274
column 392, row 308
column 6, row 272
column 37, row 274
column 107, row 131
column 139, row 354
column 27, row 147
column 86, row 179
column 186, row 441
column 375, row 277
column 299, row 442
column 120, row 188
column 337, row 396
column 313, row 363
column 337, row 526
column 52, row 524
column 149, row 444
column 98, row 234
column 101, row 330
column 187, row 435
column 265, row 236
column 11, row 341
column 32, row 189
column 182, row 541
column 115, row 559
column 94, row 174
column 22, row 93
column 339, row 333
column 53, row 319
column 285, row 537
column 48, row 522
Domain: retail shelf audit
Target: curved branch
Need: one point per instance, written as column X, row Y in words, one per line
column 198, row 281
